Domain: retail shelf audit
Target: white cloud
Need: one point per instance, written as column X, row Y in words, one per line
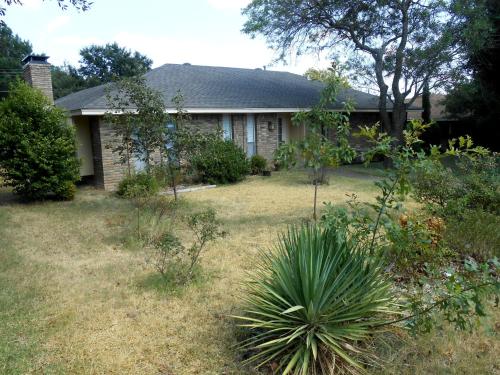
column 58, row 22
column 66, row 48
column 197, row 51
column 228, row 4
column 32, row 4
column 176, row 50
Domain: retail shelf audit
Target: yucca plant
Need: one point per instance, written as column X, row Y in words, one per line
column 312, row 302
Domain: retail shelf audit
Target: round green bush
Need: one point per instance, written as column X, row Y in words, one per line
column 139, row 185
column 220, row 162
column 258, row 164
column 37, row 146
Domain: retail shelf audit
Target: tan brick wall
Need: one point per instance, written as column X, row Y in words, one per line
column 39, row 76
column 205, row 123
column 109, row 172
column 113, row 170
column 108, row 169
column 267, row 134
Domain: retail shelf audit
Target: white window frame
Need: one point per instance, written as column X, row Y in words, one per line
column 251, row 126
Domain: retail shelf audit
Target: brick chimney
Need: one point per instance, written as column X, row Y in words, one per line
column 37, row 73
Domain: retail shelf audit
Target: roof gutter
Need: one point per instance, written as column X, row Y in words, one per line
column 101, row 112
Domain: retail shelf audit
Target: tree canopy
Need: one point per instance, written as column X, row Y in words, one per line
column 65, row 80
column 13, row 49
column 475, row 96
column 98, row 65
column 107, row 63
column 394, row 45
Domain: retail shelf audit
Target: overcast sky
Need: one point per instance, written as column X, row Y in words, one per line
column 201, row 32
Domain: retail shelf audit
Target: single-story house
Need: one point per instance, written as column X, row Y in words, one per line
column 253, row 107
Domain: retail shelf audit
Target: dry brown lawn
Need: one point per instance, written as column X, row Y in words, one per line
column 78, row 300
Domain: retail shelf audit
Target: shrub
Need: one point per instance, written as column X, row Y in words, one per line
column 220, row 161
column 37, row 146
column 167, row 254
column 437, row 186
column 170, row 256
column 481, row 178
column 258, row 164
column 163, row 175
column 414, row 242
column 474, row 184
column 475, row 235
column 285, row 156
column 312, row 301
column 138, row 186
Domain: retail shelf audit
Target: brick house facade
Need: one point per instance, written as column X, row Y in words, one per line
column 253, row 107
column 108, row 171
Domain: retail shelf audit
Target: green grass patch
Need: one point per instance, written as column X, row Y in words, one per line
column 20, row 335
column 168, row 284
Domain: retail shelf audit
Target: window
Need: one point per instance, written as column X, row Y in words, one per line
column 227, row 127
column 251, row 146
column 171, row 129
column 139, row 161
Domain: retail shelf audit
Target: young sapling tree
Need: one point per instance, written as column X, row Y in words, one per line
column 138, row 119
column 317, row 151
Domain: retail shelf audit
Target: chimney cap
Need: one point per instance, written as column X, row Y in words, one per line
column 36, row 59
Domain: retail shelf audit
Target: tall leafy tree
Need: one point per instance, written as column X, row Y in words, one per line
column 101, row 64
column 13, row 49
column 395, row 45
column 475, row 96
column 65, row 80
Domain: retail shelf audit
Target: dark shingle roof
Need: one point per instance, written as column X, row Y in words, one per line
column 208, row 87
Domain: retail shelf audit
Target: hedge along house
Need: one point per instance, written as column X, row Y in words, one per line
column 253, row 107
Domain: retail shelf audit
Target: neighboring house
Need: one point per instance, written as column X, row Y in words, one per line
column 438, row 109
column 253, row 107
column 445, row 126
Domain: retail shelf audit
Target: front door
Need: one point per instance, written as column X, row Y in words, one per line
column 251, row 147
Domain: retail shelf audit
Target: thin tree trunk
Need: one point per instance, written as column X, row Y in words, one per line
column 138, row 221
column 128, row 160
column 399, row 106
column 172, row 175
column 426, row 102
column 315, row 195
column 398, row 122
column 385, row 119
column 148, row 165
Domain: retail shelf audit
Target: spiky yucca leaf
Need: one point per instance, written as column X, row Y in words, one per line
column 311, row 301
